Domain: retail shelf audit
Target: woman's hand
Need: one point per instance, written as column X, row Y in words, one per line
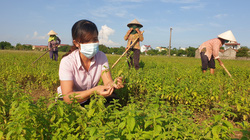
column 104, row 90
column 118, row 83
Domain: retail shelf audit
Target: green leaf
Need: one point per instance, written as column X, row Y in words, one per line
column 215, row 131
column 131, row 123
column 60, row 111
column 217, row 118
column 121, row 125
column 91, row 112
column 92, row 131
column 157, row 129
column 147, row 123
column 1, row 135
column 228, row 124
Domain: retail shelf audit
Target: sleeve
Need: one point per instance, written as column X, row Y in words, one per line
column 216, row 48
column 126, row 36
column 141, row 38
column 59, row 40
column 65, row 70
column 49, row 45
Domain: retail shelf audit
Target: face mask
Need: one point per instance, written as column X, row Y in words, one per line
column 89, row 50
column 134, row 27
column 226, row 41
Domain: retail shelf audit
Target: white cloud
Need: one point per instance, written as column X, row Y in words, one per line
column 180, row 1
column 35, row 36
column 109, row 11
column 219, row 16
column 104, row 34
column 199, row 6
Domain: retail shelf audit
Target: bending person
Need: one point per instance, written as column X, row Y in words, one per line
column 82, row 67
column 209, row 50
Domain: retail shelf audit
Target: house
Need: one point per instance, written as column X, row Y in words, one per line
column 161, row 48
column 233, row 45
column 40, row 48
column 145, row 48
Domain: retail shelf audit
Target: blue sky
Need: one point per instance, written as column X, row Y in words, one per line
column 193, row 21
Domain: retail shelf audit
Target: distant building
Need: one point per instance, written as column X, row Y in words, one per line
column 161, row 48
column 145, row 48
column 40, row 48
column 183, row 49
column 233, row 45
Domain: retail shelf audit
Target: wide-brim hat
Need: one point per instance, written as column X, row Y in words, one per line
column 228, row 35
column 52, row 33
column 134, row 22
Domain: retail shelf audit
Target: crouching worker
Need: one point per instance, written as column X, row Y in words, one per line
column 209, row 50
column 82, row 67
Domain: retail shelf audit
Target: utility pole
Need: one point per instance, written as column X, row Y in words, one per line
column 170, row 41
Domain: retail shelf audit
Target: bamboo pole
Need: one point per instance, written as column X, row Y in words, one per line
column 226, row 70
column 40, row 56
column 125, row 51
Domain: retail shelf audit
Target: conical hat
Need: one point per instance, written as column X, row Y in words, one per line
column 228, row 35
column 134, row 22
column 52, row 33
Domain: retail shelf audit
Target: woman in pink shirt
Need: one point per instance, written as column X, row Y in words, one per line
column 82, row 67
column 209, row 50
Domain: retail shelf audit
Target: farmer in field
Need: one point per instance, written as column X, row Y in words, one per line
column 131, row 36
column 53, row 43
column 209, row 50
column 82, row 67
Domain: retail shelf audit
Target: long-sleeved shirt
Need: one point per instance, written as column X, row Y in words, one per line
column 52, row 45
column 211, row 47
column 131, row 38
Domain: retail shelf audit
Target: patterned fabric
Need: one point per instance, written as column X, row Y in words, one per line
column 211, row 47
column 131, row 38
column 52, row 45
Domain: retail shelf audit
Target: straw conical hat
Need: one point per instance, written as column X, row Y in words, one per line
column 134, row 22
column 228, row 35
column 52, row 33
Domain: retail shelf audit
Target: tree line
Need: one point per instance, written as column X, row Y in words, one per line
column 189, row 52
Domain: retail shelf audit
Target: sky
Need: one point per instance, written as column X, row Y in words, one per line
column 192, row 21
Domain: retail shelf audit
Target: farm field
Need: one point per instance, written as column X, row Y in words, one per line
column 167, row 98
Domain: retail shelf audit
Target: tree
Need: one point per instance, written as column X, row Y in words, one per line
column 6, row 45
column 163, row 52
column 173, row 51
column 152, row 52
column 242, row 52
column 190, row 51
column 181, row 52
column 103, row 48
column 65, row 48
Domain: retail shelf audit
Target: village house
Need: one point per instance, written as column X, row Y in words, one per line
column 40, row 48
column 161, row 48
column 233, row 45
column 145, row 48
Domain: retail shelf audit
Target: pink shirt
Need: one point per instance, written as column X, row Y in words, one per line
column 71, row 69
column 212, row 48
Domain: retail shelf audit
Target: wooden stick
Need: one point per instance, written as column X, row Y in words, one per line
column 40, row 56
column 226, row 70
column 126, row 51
column 43, row 54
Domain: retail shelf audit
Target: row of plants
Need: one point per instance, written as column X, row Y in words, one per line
column 167, row 98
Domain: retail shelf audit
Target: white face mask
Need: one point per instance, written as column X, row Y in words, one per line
column 89, row 50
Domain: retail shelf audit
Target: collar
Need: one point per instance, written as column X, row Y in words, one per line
column 78, row 60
